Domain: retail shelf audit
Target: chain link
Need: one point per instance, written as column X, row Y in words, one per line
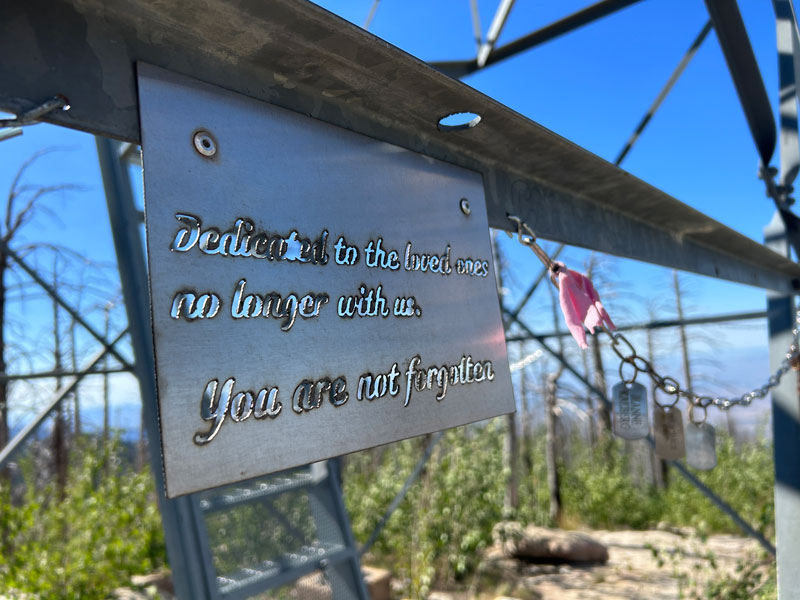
column 671, row 387
column 626, row 352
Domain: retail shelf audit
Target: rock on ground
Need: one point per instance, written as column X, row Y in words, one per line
column 642, row 565
column 539, row 544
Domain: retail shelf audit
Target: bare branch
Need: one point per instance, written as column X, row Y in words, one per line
column 16, row 220
column 13, row 191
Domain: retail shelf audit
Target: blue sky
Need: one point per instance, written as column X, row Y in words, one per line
column 591, row 86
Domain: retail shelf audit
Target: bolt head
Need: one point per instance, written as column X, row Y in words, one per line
column 204, row 143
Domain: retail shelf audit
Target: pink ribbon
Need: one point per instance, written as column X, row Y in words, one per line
column 580, row 304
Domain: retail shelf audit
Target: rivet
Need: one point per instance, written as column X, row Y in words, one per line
column 204, row 143
column 464, row 205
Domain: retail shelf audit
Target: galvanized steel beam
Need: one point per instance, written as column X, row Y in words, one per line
column 192, row 574
column 788, row 40
column 499, row 20
column 61, row 373
column 746, row 76
column 576, row 20
column 8, row 451
column 296, row 55
column 664, row 91
column 785, row 429
column 658, row 324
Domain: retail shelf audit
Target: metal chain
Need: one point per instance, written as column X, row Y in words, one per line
column 670, row 386
column 628, row 356
column 527, row 237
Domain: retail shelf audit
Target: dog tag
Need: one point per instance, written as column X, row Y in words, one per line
column 701, row 446
column 630, row 411
column 668, row 430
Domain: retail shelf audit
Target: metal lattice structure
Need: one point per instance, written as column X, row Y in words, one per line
column 339, row 73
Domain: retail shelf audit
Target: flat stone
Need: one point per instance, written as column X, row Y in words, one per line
column 534, row 544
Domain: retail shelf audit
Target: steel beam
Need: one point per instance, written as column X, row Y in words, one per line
column 498, row 22
column 476, row 24
column 788, row 40
column 400, row 496
column 62, row 392
column 191, row 569
column 687, row 58
column 61, row 373
column 786, row 429
column 658, row 324
column 296, row 55
column 746, row 76
column 53, row 293
column 462, row 68
column 529, row 293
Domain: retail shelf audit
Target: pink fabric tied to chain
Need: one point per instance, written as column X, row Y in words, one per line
column 580, row 304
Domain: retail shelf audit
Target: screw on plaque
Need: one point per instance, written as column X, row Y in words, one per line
column 204, row 143
column 464, row 205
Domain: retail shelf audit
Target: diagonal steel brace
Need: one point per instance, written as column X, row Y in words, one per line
column 51, row 291
column 15, row 444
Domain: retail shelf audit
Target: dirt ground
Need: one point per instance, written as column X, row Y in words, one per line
column 647, row 565
column 642, row 565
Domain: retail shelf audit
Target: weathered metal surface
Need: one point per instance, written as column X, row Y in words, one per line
column 701, row 446
column 668, row 432
column 585, row 16
column 192, row 572
column 296, row 55
column 785, row 427
column 630, row 411
column 318, row 336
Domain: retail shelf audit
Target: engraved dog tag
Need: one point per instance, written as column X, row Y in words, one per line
column 701, row 450
column 630, row 411
column 668, row 429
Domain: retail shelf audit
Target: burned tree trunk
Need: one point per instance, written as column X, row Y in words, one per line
column 687, row 372
column 60, row 424
column 511, row 443
column 553, row 481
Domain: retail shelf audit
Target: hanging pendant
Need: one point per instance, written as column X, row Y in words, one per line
column 701, row 446
column 630, row 411
column 668, row 430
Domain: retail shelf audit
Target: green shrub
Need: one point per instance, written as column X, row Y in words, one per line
column 600, row 494
column 437, row 534
column 753, row 581
column 105, row 528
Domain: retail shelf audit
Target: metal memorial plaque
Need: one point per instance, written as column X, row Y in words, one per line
column 701, row 446
column 668, row 431
column 630, row 411
column 314, row 291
